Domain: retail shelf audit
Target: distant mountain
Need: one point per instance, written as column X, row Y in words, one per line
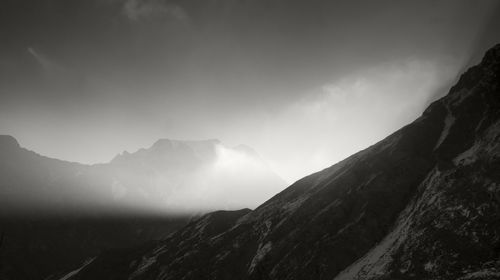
column 169, row 177
column 55, row 214
column 193, row 175
column 424, row 203
column 30, row 183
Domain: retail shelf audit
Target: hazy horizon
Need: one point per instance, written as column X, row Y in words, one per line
column 249, row 139
column 304, row 83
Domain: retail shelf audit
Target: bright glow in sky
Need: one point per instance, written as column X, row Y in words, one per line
column 345, row 116
column 304, row 83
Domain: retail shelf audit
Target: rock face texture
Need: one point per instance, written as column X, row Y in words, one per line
column 424, row 203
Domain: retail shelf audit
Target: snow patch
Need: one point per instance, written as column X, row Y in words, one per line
column 143, row 266
column 429, row 266
column 294, row 205
column 448, row 123
column 76, row 271
column 375, row 263
column 261, row 253
column 481, row 274
column 221, row 256
column 467, row 157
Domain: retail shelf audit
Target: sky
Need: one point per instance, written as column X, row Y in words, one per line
column 304, row 83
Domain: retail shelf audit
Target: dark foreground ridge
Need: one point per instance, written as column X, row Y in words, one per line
column 421, row 204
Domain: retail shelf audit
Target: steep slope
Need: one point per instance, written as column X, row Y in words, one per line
column 421, row 204
column 126, row 264
column 451, row 227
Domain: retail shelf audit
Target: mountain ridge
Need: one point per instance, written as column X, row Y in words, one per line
column 420, row 204
column 56, row 214
column 140, row 176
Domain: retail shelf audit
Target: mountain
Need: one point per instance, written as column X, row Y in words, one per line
column 30, row 182
column 421, row 204
column 55, row 214
column 169, row 177
column 193, row 176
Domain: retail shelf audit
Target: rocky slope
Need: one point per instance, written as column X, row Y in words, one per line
column 421, row 204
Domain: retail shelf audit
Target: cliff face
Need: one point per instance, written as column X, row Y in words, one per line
column 450, row 229
column 421, row 204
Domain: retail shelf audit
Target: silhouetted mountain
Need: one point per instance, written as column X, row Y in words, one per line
column 32, row 183
column 421, row 204
column 55, row 214
column 171, row 176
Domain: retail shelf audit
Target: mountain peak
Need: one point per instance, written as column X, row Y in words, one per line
column 7, row 141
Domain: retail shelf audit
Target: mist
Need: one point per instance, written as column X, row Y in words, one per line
column 249, row 139
column 172, row 177
column 299, row 82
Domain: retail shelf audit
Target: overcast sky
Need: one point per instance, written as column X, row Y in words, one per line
column 305, row 83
